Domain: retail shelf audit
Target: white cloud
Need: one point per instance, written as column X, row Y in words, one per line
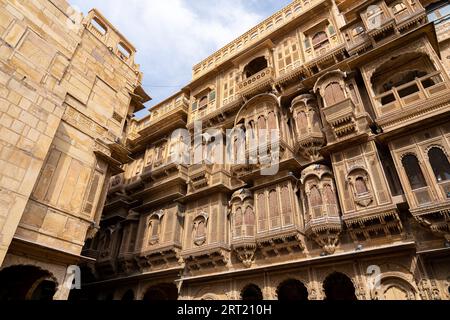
column 171, row 36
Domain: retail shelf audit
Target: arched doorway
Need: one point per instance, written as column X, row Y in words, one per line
column 292, row 290
column 161, row 292
column 338, row 286
column 251, row 293
column 128, row 296
column 26, row 283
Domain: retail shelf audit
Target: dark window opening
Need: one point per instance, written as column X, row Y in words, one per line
column 255, row 66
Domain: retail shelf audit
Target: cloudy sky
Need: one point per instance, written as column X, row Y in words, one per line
column 171, row 36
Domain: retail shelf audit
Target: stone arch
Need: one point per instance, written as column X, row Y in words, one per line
column 292, row 290
column 27, row 282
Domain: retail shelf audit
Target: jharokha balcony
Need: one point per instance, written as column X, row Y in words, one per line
column 341, row 117
column 257, row 83
column 425, row 95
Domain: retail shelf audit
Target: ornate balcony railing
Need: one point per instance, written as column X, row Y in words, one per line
column 257, row 82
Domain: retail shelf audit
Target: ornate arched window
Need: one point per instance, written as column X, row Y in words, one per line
column 333, row 94
column 319, row 40
column 199, row 230
column 440, row 164
column 315, row 200
column 413, row 172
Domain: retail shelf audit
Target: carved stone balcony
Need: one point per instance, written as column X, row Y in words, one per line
column 428, row 95
column 341, row 117
column 257, row 83
column 325, row 231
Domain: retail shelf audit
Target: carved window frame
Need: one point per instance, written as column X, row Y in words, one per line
column 151, row 238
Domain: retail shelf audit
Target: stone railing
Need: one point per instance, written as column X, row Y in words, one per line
column 257, row 81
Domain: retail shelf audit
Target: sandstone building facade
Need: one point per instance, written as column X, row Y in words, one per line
column 359, row 92
column 68, row 88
